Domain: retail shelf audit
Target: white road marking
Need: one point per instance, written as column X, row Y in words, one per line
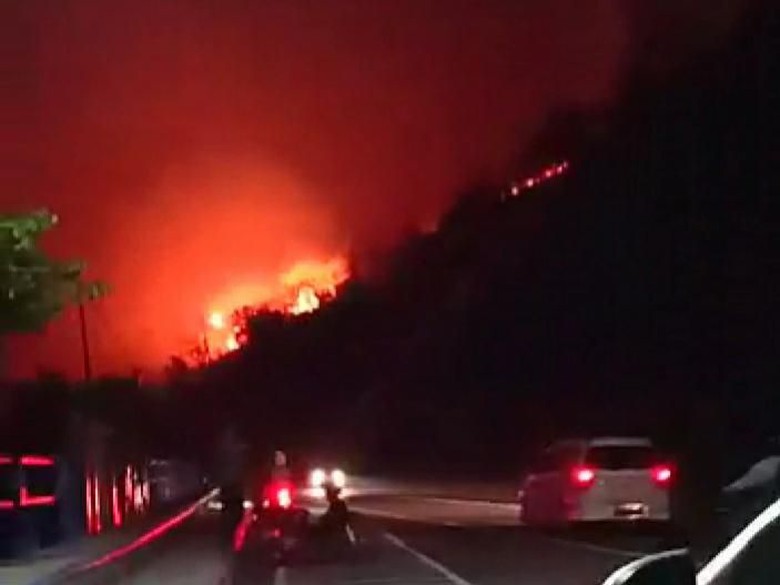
column 280, row 576
column 410, row 517
column 387, row 514
column 426, row 560
column 392, row 580
column 497, row 506
column 351, row 535
column 509, row 507
column 439, row 520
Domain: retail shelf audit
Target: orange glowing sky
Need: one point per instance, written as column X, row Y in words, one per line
column 195, row 151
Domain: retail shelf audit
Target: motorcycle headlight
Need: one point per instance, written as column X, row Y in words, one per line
column 317, row 478
column 215, row 505
column 338, row 478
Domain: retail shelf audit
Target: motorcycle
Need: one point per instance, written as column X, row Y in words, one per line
column 280, row 524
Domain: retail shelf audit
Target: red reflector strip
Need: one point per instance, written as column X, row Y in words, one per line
column 37, row 461
column 116, row 512
column 7, row 505
column 239, row 536
column 26, row 500
column 90, row 505
column 96, row 503
column 38, row 501
column 6, row 460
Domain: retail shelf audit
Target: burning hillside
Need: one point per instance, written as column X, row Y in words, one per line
column 302, row 289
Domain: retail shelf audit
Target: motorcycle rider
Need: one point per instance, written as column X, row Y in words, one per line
column 280, row 470
column 279, row 477
column 281, row 522
column 336, row 517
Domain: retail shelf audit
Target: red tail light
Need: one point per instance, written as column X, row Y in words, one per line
column 278, row 494
column 582, row 476
column 661, row 474
column 284, row 498
column 26, row 500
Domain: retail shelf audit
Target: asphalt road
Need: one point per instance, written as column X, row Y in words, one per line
column 404, row 539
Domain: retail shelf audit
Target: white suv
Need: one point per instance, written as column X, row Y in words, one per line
column 608, row 478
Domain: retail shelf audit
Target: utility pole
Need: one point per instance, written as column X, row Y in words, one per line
column 85, row 343
column 87, row 293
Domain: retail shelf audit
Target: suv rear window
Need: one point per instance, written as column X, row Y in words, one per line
column 621, row 457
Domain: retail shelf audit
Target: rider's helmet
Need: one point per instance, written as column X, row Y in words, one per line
column 332, row 491
column 280, row 458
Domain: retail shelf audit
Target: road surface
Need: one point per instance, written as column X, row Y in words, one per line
column 406, row 538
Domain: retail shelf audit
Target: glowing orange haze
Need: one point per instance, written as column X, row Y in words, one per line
column 219, row 254
column 194, row 154
column 250, row 234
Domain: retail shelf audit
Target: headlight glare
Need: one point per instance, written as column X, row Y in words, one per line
column 338, row 477
column 317, row 478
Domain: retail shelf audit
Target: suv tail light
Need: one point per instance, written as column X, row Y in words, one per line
column 583, row 476
column 662, row 475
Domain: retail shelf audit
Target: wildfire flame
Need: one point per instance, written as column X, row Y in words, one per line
column 231, row 343
column 320, row 277
column 309, row 284
column 513, row 189
column 302, row 289
column 547, row 173
column 307, row 301
column 216, row 320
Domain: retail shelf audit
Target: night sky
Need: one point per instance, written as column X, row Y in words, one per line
column 191, row 148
